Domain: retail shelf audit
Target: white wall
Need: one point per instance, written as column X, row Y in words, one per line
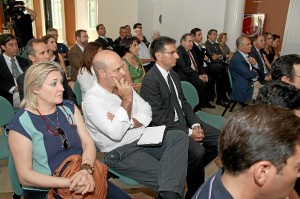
column 116, row 13
column 180, row 17
column 291, row 41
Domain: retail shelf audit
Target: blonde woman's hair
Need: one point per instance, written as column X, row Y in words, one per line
column 35, row 76
column 220, row 36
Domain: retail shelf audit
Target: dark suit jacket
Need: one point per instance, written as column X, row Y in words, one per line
column 74, row 55
column 212, row 49
column 105, row 43
column 156, row 92
column 183, row 65
column 242, row 83
column 7, row 79
column 260, row 71
column 199, row 54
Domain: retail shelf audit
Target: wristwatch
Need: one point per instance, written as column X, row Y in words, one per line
column 89, row 168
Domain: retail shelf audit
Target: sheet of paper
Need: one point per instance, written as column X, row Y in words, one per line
column 153, row 136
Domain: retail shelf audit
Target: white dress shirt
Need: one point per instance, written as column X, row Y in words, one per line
column 165, row 75
column 86, row 80
column 111, row 134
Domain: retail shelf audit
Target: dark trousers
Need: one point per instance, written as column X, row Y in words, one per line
column 219, row 72
column 205, row 90
column 200, row 155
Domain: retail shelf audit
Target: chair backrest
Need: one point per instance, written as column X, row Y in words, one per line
column 190, row 93
column 77, row 92
column 6, row 111
column 6, row 114
column 216, row 121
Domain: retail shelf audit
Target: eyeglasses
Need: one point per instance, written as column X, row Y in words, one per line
column 270, row 38
column 64, row 139
column 171, row 53
column 62, row 135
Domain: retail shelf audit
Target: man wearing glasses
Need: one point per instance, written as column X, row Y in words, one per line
column 287, row 69
column 162, row 90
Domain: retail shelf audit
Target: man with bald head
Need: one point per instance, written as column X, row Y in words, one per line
column 117, row 116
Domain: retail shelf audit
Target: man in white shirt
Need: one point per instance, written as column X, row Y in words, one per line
column 116, row 117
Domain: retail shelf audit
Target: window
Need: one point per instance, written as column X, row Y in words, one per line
column 56, row 14
column 92, row 13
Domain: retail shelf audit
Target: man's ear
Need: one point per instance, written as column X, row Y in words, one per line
column 285, row 79
column 262, row 171
column 158, row 55
column 101, row 73
column 3, row 47
column 31, row 58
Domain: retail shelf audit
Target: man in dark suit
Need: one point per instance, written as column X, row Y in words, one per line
column 188, row 69
column 243, row 71
column 123, row 33
column 203, row 61
column 37, row 51
column 179, row 115
column 11, row 66
column 75, row 53
column 263, row 73
column 217, row 68
column 106, row 42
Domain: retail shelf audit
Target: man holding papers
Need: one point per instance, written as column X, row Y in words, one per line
column 161, row 89
column 116, row 117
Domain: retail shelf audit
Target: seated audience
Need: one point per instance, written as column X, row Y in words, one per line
column 61, row 47
column 162, row 90
column 217, row 69
column 45, row 132
column 287, row 69
column 49, row 40
column 133, row 68
column 11, row 67
column 107, row 43
column 262, row 70
column 123, row 33
column 128, row 30
column 276, row 45
column 37, row 51
column 116, row 116
column 243, row 71
column 268, row 51
column 143, row 39
column 283, row 95
column 203, row 61
column 280, row 94
column 260, row 155
column 143, row 52
column 76, row 51
column 86, row 75
column 222, row 47
column 189, row 69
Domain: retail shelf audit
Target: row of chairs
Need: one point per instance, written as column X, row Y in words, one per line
column 7, row 112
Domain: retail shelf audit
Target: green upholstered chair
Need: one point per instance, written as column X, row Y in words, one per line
column 6, row 114
column 191, row 96
column 77, row 92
